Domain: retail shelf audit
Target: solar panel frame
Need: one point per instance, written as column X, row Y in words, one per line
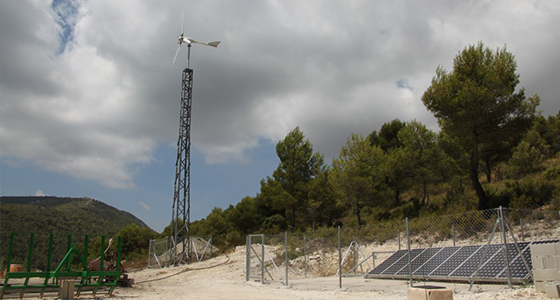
column 460, row 263
column 483, row 258
column 414, row 261
column 424, row 258
column 421, row 264
column 388, row 262
column 456, row 260
column 447, row 253
column 402, row 262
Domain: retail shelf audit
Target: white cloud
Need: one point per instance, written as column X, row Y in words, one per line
column 145, row 206
column 39, row 193
column 100, row 108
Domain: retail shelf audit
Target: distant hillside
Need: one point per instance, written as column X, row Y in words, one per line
column 60, row 215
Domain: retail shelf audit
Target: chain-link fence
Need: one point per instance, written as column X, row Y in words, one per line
column 489, row 246
column 160, row 252
column 264, row 255
column 281, row 257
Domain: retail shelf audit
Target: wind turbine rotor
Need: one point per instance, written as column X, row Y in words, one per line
column 182, row 39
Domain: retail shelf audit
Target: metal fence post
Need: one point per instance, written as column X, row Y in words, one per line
column 248, row 257
column 399, row 238
column 355, row 250
column 174, row 245
column 522, row 231
column 339, row 261
column 305, row 257
column 150, row 254
column 262, row 261
column 453, row 233
column 167, row 254
column 408, row 247
column 211, row 247
column 286, row 241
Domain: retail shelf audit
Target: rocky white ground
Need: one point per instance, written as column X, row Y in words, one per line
column 223, row 277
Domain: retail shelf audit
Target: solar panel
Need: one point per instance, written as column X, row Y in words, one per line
column 402, row 262
column 517, row 265
column 388, row 262
column 456, row 261
column 419, row 263
column 460, row 263
column 416, row 261
column 471, row 264
column 437, row 261
column 492, row 263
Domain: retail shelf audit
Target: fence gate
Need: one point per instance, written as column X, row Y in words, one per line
column 258, row 257
column 159, row 255
column 257, row 253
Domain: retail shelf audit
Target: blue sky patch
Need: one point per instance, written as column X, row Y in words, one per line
column 403, row 84
column 67, row 12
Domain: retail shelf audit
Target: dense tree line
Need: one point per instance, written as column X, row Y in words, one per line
column 493, row 148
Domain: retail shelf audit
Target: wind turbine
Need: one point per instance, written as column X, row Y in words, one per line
column 181, row 195
column 182, row 39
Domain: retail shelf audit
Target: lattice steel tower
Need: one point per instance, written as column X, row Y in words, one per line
column 180, row 246
column 181, row 219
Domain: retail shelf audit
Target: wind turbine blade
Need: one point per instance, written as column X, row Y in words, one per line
column 177, row 52
column 183, row 23
column 211, row 44
column 214, row 44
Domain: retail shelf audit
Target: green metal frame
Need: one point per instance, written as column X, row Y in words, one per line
column 88, row 280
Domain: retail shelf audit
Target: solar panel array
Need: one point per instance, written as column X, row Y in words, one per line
column 460, row 263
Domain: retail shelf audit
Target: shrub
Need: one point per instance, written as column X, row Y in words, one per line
column 552, row 173
column 538, row 191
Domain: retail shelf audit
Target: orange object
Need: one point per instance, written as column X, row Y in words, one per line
column 13, row 268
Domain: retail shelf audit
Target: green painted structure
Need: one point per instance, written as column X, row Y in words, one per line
column 86, row 281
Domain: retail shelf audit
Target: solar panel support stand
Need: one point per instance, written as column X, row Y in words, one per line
column 504, row 240
column 500, row 220
column 519, row 250
column 357, row 251
column 473, row 276
column 408, row 248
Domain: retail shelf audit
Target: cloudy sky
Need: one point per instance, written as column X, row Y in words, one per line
column 89, row 98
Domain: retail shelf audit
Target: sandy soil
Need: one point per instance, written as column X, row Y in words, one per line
column 223, row 277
